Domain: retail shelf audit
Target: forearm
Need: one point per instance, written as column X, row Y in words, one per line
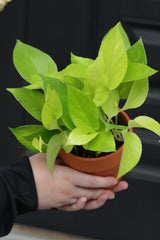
column 17, row 192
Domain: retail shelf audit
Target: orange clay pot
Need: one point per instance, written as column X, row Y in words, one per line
column 101, row 166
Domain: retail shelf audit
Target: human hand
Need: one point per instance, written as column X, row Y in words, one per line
column 69, row 189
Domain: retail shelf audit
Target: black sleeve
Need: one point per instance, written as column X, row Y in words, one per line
column 18, row 193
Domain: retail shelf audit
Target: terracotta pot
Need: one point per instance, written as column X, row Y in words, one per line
column 101, row 166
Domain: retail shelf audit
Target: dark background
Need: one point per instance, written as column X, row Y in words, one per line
column 57, row 28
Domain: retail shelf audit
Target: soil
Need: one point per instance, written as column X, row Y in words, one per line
column 81, row 152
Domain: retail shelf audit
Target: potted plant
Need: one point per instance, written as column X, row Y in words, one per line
column 78, row 107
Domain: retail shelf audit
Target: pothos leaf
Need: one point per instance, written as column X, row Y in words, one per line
column 137, row 71
column 22, row 132
column 31, row 100
column 81, row 135
column 115, row 56
column 137, row 95
column 145, row 122
column 61, row 90
column 52, row 109
column 131, row 154
column 110, row 107
column 136, row 53
column 103, row 142
column 82, row 109
column 96, row 82
column 55, row 144
column 81, row 60
column 31, row 61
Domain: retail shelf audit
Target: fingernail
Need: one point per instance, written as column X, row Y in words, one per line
column 83, row 199
column 114, row 181
column 111, row 197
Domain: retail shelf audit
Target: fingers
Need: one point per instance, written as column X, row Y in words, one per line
column 99, row 202
column 123, row 185
column 85, row 180
column 83, row 203
column 80, row 204
column 89, row 193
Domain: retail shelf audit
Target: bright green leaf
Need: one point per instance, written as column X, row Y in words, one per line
column 75, row 70
column 61, row 90
column 137, row 54
column 82, row 109
column 42, row 132
column 53, row 148
column 22, row 132
column 96, row 82
column 75, row 82
column 145, row 122
column 52, row 109
column 37, row 85
column 110, row 107
column 109, row 126
column 115, row 56
column 131, row 154
column 81, row 60
column 38, row 143
column 125, row 37
column 31, row 100
column 103, row 142
column 31, row 61
column 53, row 83
column 57, row 75
column 123, row 34
column 68, row 148
column 137, row 94
column 124, row 89
column 137, row 71
column 81, row 135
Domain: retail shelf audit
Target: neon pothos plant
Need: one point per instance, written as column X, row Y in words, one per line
column 80, row 104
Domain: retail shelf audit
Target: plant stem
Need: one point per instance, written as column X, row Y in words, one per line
column 118, row 136
column 98, row 153
column 116, row 119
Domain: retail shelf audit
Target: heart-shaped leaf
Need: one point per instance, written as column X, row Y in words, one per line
column 61, row 90
column 39, row 144
column 81, row 135
column 55, row 144
column 81, row 60
column 110, row 107
column 75, row 70
column 115, row 56
column 136, row 53
column 52, row 109
column 123, row 34
column 82, row 109
column 22, row 132
column 145, row 122
column 124, row 89
column 137, row 94
column 31, row 61
column 96, row 82
column 103, row 142
column 31, row 100
column 131, row 154
column 137, row 71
